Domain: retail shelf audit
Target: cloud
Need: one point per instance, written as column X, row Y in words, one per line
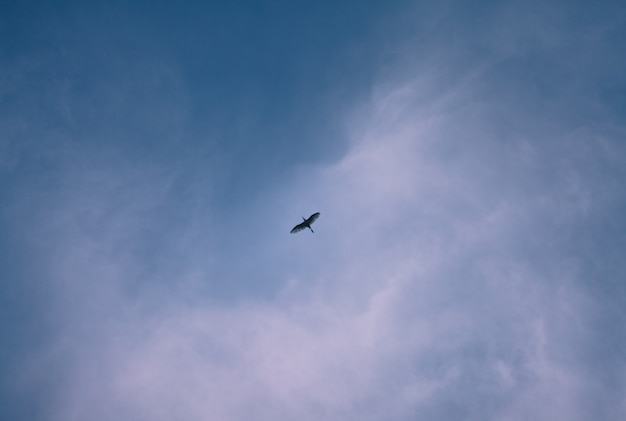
column 438, row 289
column 454, row 273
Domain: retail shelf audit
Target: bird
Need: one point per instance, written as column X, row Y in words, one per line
column 306, row 224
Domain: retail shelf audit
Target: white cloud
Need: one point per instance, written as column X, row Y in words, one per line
column 439, row 283
column 431, row 302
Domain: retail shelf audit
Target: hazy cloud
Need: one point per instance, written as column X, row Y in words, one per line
column 466, row 263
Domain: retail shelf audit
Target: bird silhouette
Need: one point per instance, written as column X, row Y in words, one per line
column 306, row 224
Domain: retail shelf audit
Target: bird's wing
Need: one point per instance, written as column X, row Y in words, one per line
column 298, row 227
column 313, row 217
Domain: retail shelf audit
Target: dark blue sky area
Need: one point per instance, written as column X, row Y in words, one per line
column 255, row 76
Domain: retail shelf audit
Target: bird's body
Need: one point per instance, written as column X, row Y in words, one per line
column 306, row 224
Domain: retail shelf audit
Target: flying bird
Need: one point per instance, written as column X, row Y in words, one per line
column 306, row 224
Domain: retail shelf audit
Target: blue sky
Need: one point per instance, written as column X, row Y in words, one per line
column 468, row 161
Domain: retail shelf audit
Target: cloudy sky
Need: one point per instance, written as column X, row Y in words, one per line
column 468, row 161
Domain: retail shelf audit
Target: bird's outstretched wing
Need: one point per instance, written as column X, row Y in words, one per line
column 298, row 227
column 313, row 217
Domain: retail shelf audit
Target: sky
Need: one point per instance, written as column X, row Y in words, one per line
column 468, row 162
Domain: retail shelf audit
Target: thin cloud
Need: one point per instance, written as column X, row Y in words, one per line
column 463, row 268
column 398, row 323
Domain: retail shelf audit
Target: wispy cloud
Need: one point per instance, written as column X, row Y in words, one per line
column 464, row 265
column 438, row 287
